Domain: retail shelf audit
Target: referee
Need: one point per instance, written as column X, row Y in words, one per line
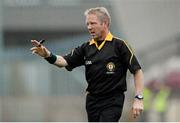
column 106, row 59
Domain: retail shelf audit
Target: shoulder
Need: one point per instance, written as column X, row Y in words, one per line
column 123, row 44
column 120, row 40
column 83, row 45
column 86, row 43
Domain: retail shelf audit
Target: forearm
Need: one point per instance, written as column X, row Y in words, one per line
column 57, row 60
column 139, row 82
column 60, row 62
column 138, row 105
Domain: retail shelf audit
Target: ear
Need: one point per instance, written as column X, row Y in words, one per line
column 105, row 24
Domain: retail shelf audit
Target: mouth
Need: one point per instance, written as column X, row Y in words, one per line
column 92, row 33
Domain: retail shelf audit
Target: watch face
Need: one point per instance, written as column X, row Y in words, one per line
column 139, row 96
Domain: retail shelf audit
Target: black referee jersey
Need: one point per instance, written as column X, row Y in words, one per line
column 106, row 64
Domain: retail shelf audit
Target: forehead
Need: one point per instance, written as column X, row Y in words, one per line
column 91, row 17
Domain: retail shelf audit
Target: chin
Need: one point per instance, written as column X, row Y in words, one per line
column 95, row 36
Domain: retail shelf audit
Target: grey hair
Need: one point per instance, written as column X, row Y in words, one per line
column 101, row 12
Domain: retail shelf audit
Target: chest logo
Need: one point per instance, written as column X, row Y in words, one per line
column 88, row 62
column 110, row 68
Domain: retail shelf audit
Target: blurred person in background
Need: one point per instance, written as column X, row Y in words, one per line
column 106, row 59
column 156, row 94
column 161, row 99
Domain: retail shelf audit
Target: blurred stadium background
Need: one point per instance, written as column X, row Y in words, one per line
column 33, row 90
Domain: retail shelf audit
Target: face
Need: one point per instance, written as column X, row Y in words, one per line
column 95, row 27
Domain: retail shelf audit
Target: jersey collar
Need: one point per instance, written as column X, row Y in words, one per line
column 109, row 37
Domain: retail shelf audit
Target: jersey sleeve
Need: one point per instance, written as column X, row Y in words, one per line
column 75, row 58
column 129, row 57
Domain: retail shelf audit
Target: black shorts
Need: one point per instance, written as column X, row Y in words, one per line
column 104, row 108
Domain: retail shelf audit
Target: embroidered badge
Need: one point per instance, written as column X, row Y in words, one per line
column 110, row 68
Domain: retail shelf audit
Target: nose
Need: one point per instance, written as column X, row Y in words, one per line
column 89, row 27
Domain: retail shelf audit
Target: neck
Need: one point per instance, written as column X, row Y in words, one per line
column 103, row 36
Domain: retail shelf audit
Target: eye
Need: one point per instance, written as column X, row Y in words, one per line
column 93, row 23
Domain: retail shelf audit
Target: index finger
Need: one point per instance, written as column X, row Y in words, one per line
column 35, row 42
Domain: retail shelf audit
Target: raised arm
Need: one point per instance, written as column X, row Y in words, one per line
column 43, row 52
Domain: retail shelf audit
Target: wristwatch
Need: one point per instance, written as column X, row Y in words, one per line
column 139, row 97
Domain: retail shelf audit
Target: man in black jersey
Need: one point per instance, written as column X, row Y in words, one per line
column 106, row 60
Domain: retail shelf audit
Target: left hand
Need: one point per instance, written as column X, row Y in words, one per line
column 137, row 108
